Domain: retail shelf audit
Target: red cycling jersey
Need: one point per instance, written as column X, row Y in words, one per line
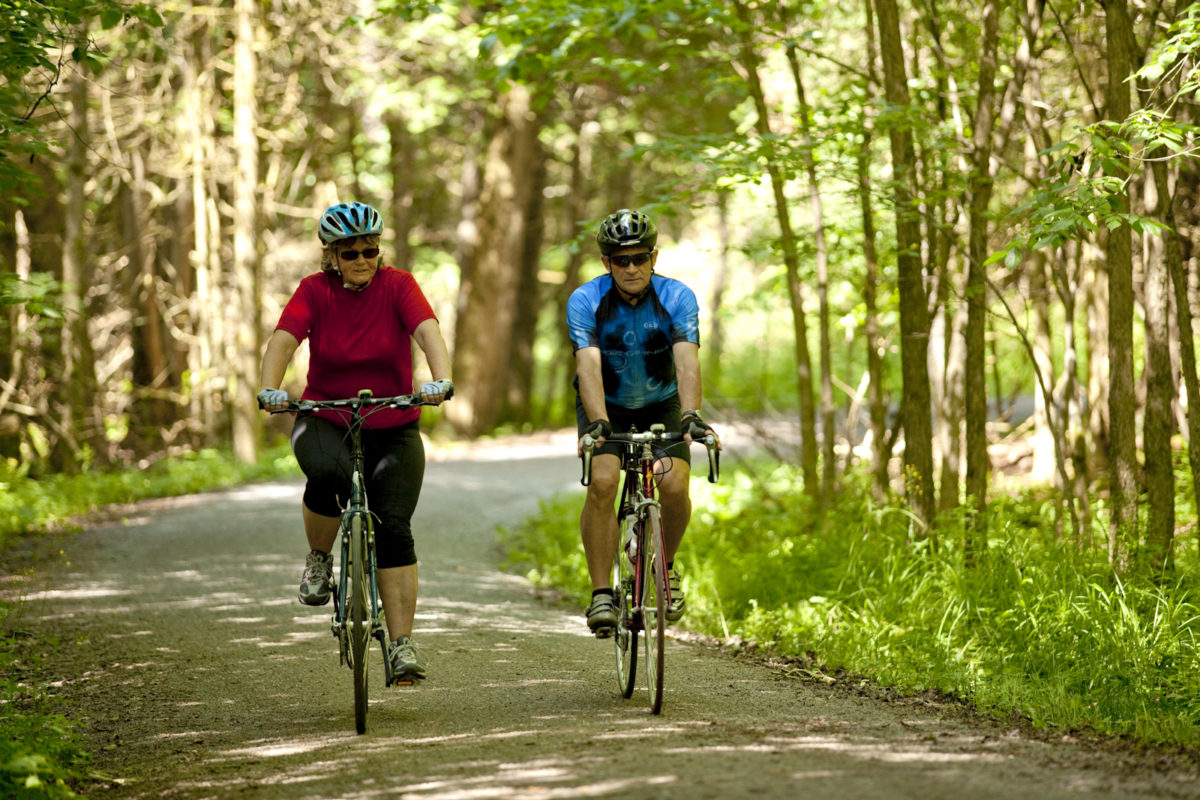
column 358, row 339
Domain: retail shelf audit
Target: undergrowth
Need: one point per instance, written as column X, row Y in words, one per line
column 40, row 754
column 1037, row 627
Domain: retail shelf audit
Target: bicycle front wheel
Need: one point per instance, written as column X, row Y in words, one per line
column 360, row 619
column 654, row 609
column 626, row 634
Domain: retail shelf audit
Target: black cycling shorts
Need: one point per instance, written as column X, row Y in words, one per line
column 394, row 467
column 624, row 420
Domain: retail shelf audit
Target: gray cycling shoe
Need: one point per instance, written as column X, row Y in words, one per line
column 678, row 603
column 602, row 615
column 316, row 586
column 406, row 663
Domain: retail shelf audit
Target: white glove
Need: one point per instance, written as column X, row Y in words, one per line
column 435, row 388
column 272, row 397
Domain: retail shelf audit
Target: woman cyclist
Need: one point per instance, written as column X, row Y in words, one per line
column 360, row 318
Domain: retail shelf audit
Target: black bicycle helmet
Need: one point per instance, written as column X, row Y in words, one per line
column 626, row 228
column 349, row 221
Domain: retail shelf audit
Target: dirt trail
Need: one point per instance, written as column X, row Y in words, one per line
column 196, row 674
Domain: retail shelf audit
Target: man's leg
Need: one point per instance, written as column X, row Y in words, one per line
column 598, row 529
column 598, row 521
column 674, row 495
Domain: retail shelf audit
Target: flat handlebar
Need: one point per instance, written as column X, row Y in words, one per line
column 364, row 400
column 630, row 439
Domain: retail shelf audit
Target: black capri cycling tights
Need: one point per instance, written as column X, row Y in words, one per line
column 394, row 470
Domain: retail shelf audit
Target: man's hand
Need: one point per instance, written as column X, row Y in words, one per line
column 272, row 399
column 692, row 427
column 598, row 429
column 437, row 391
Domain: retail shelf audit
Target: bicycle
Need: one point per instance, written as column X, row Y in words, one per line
column 357, row 610
column 639, row 572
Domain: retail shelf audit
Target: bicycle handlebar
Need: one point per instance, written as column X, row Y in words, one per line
column 630, row 439
column 364, row 400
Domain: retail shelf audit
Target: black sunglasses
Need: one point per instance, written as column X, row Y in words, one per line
column 636, row 259
column 351, row 255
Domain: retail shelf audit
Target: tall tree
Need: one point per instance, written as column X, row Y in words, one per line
column 980, row 190
column 915, row 407
column 808, row 429
column 1122, row 404
column 247, row 264
column 807, row 144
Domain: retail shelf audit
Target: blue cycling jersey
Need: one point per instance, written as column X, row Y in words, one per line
column 637, row 362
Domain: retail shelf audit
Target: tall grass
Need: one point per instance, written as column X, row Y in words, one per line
column 1037, row 628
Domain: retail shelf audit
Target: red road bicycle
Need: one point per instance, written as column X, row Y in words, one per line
column 639, row 572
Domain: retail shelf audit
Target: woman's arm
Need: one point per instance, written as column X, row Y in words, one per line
column 428, row 336
column 280, row 349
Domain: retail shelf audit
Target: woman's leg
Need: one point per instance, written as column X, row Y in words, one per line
column 395, row 471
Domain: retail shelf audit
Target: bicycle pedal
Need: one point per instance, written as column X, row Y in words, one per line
column 604, row 633
column 402, row 682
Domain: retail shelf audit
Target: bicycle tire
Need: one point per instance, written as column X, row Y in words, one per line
column 625, row 637
column 654, row 612
column 360, row 624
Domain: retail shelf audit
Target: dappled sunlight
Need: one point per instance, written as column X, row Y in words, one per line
column 86, row 592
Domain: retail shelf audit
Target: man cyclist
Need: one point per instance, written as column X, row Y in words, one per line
column 637, row 340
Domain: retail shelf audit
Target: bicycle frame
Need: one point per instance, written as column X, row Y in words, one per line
column 640, row 584
column 357, row 613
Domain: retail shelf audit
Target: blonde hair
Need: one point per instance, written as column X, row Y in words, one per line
column 329, row 252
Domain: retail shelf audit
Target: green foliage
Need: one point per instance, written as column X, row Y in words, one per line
column 28, row 505
column 546, row 549
column 37, row 40
column 1039, row 628
column 40, row 294
column 40, row 752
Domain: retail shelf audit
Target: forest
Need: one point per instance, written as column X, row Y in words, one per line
column 944, row 255
column 899, row 220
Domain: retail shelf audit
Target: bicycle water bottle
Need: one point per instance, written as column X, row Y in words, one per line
column 628, row 540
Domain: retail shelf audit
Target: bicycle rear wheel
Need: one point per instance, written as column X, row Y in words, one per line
column 626, row 634
column 654, row 610
column 360, row 622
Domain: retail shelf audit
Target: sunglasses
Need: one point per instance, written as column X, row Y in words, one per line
column 636, row 259
column 351, row 255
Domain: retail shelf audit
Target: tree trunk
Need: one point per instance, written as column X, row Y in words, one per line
column 518, row 405
column 791, row 259
column 914, row 312
column 487, row 293
column 1122, row 404
column 1158, row 424
column 716, row 332
column 876, row 346
column 828, row 431
column 80, row 416
column 560, row 394
column 402, row 165
column 247, row 266
column 1173, row 257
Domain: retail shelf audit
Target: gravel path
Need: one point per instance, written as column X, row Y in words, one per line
column 196, row 674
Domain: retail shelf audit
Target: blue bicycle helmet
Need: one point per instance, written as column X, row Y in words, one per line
column 626, row 228
column 348, row 221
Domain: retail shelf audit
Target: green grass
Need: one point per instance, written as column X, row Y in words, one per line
column 41, row 756
column 1037, row 630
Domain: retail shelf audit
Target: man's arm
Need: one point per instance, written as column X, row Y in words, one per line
column 687, row 375
column 591, row 382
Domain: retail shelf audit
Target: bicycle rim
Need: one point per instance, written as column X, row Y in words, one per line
column 625, row 637
column 360, row 623
column 654, row 616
